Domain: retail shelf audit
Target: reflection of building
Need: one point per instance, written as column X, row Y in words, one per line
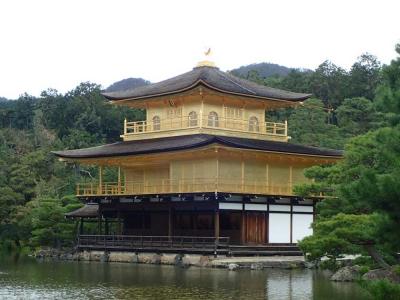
column 204, row 163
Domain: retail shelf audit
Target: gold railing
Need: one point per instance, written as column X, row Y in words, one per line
column 167, row 186
column 187, row 122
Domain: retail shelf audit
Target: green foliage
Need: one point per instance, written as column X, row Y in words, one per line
column 308, row 125
column 363, row 270
column 49, row 226
column 382, row 289
column 357, row 116
column 340, row 234
column 365, row 261
column 396, row 269
column 329, row 264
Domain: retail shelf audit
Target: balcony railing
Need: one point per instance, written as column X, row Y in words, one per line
column 168, row 186
column 191, row 244
column 218, row 123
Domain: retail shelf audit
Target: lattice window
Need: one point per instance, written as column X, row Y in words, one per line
column 192, row 119
column 233, row 112
column 156, row 123
column 253, row 124
column 174, row 112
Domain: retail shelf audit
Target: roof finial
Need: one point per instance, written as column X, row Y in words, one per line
column 206, row 62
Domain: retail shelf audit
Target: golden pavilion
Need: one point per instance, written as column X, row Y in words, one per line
column 204, row 172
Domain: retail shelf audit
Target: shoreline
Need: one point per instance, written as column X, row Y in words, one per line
column 180, row 260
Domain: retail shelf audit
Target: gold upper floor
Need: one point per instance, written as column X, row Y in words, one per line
column 205, row 111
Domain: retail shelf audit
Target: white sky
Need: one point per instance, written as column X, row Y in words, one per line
column 58, row 44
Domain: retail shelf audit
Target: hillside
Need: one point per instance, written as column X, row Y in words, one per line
column 264, row 70
column 126, row 84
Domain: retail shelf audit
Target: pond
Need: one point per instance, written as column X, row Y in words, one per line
column 27, row 278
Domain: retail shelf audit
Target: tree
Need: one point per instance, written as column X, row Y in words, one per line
column 357, row 116
column 388, row 93
column 365, row 182
column 308, row 125
column 49, row 226
column 344, row 234
column 330, row 83
column 364, row 76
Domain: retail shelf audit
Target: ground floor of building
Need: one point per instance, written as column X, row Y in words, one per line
column 243, row 220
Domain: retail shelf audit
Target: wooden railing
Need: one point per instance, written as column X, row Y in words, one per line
column 158, row 243
column 167, row 186
column 186, row 122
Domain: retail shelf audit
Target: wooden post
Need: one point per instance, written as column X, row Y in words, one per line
column 243, row 226
column 216, row 171
column 100, row 179
column 119, row 179
column 170, row 222
column 81, row 227
column 286, row 128
column 216, row 223
column 216, row 231
column 119, row 223
column 201, row 112
column 106, row 229
column 290, row 180
column 242, row 175
column 125, row 129
column 291, row 221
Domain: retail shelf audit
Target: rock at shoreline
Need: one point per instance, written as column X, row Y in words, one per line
column 233, row 267
column 380, row 274
column 348, row 273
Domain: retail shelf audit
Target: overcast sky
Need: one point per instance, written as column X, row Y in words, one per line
column 58, row 44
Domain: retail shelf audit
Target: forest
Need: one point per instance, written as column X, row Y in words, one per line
column 357, row 110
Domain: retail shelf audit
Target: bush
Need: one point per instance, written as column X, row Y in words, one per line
column 382, row 289
column 365, row 261
column 329, row 264
column 396, row 269
column 363, row 270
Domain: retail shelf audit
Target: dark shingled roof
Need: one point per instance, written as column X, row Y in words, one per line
column 184, row 142
column 89, row 210
column 211, row 77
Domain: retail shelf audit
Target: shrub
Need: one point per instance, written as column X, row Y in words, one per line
column 329, row 264
column 382, row 289
column 396, row 269
column 363, row 270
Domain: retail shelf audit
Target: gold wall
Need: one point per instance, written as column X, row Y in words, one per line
column 224, row 171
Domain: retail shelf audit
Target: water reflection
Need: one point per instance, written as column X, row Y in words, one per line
column 28, row 279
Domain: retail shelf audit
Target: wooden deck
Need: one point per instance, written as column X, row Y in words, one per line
column 199, row 185
column 174, row 244
column 187, row 124
column 182, row 244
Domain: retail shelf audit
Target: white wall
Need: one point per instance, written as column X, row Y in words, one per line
column 279, row 228
column 301, row 226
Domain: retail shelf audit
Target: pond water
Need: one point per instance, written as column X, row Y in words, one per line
column 26, row 278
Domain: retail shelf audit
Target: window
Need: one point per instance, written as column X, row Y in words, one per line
column 213, row 119
column 174, row 112
column 192, row 119
column 156, row 123
column 253, row 124
column 233, row 112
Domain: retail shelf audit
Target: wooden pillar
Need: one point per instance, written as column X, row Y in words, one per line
column 99, row 229
column 100, row 179
column 106, row 229
column 242, row 174
column 170, row 230
column 216, row 223
column 119, row 222
column 291, row 221
column 243, row 226
column 119, row 179
column 81, row 226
